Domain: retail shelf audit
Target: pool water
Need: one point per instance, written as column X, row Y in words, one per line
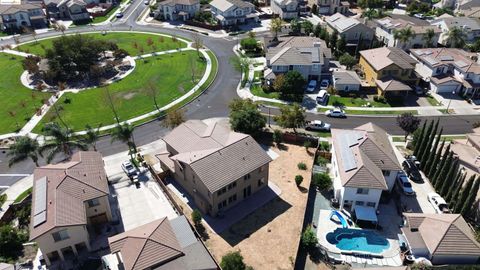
column 357, row 240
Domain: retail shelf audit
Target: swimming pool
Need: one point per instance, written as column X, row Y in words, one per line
column 357, row 240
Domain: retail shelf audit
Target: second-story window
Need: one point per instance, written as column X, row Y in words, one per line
column 93, row 202
column 363, row 191
column 60, row 235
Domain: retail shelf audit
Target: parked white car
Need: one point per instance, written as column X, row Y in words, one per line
column 128, row 168
column 322, row 97
column 439, row 204
column 336, row 112
column 312, row 85
column 404, row 184
column 317, row 125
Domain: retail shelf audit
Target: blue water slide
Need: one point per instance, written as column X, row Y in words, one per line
column 340, row 217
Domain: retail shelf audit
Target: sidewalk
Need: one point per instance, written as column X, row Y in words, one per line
column 14, row 191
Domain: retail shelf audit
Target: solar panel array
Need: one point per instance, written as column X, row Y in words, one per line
column 40, row 203
column 461, row 64
column 348, row 140
column 431, row 60
column 446, row 58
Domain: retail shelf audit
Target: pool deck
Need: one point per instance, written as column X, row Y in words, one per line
column 391, row 256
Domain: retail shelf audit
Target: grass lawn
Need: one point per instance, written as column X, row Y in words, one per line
column 170, row 73
column 433, row 101
column 23, row 195
column 257, row 90
column 14, row 97
column 354, row 102
column 104, row 18
column 124, row 40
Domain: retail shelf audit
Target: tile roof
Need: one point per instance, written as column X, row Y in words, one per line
column 298, row 51
column 346, row 77
column 341, row 23
column 471, row 24
column 362, row 154
column 443, row 234
column 224, row 5
column 179, row 2
column 458, row 58
column 389, row 84
column 398, row 23
column 383, row 57
column 12, row 9
column 217, row 155
column 69, row 185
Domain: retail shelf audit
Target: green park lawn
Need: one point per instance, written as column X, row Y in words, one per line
column 170, row 73
column 354, row 102
column 123, row 40
column 14, row 97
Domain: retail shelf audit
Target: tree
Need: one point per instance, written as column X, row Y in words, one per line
column 467, row 206
column 424, row 155
column 193, row 68
column 23, row 148
column 298, row 179
column 277, row 136
column 151, row 90
column 196, row 217
column 276, row 26
column 434, row 164
column 293, row 86
column 279, row 83
column 426, row 137
column 245, row 117
column 61, row 141
column 449, row 179
column 13, row 114
column 403, row 36
column 341, row 46
column 296, row 26
column 59, row 27
column 408, row 123
column 30, row 64
column 369, row 14
column 174, row 118
column 240, row 63
column 307, row 27
column 456, row 37
column 124, row 133
column 110, row 101
column 314, row 9
column 233, row 261
column 432, row 153
column 417, row 141
column 440, row 179
column 333, row 40
column 249, row 44
column 322, row 181
column 91, row 136
column 291, row 117
column 309, row 238
column 433, row 180
column 11, row 242
column 197, row 42
column 457, row 184
column 428, row 37
column 347, row 60
column 462, row 198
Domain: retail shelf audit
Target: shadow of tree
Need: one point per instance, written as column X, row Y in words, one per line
column 202, row 232
column 302, row 189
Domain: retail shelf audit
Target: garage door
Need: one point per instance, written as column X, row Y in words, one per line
column 448, row 87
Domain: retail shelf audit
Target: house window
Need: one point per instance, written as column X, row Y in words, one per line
column 246, row 177
column 232, row 198
column 371, row 204
column 261, row 182
column 232, row 185
column 222, row 204
column 261, row 169
column 363, row 191
column 221, row 191
column 93, row 202
column 60, row 235
column 386, row 173
column 359, row 203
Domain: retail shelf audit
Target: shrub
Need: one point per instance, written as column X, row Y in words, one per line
column 322, row 161
column 379, row 99
column 324, row 146
column 302, row 166
column 3, row 199
column 11, row 244
column 67, row 101
column 249, row 44
column 298, row 179
column 322, row 181
column 233, row 261
column 307, row 144
column 196, row 217
column 277, row 136
column 308, row 239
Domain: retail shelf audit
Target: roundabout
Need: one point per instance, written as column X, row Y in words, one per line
column 167, row 71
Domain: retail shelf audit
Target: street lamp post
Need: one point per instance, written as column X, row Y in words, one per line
column 268, row 116
column 450, row 101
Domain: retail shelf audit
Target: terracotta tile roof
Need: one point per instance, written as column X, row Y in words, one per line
column 390, row 84
column 68, row 186
column 443, row 234
column 383, row 57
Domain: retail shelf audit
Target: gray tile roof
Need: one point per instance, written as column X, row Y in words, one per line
column 472, row 24
column 224, row 5
column 346, row 77
column 12, row 9
column 217, row 155
column 298, row 51
column 341, row 23
column 69, row 185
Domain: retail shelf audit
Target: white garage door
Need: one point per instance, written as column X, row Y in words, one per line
column 447, row 87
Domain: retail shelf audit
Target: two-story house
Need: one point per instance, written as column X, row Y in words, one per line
column 386, row 28
column 470, row 26
column 177, row 9
column 75, row 10
column 468, row 8
column 68, row 197
column 285, row 9
column 233, row 12
column 327, row 7
column 217, row 167
column 449, row 70
column 364, row 165
column 389, row 69
column 308, row 55
column 16, row 16
column 351, row 29
column 468, row 152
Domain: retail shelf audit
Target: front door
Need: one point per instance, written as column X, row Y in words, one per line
column 247, row 192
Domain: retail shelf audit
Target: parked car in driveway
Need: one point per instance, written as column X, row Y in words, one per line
column 438, row 203
column 128, row 168
column 324, row 84
column 412, row 170
column 312, row 85
column 317, row 125
column 404, row 184
column 322, row 97
column 336, row 112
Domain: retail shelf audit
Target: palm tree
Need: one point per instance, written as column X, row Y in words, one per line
column 124, row 133
column 369, row 14
column 276, row 26
column 91, row 136
column 428, row 37
column 61, row 141
column 403, row 35
column 456, row 37
column 23, row 148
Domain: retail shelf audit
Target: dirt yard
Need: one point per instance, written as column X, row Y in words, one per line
column 268, row 238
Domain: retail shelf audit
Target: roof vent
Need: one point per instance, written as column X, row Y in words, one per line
column 83, row 190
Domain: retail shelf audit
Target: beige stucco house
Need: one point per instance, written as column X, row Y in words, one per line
column 216, row 166
column 68, row 198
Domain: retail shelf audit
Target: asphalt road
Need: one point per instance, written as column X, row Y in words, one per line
column 214, row 102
